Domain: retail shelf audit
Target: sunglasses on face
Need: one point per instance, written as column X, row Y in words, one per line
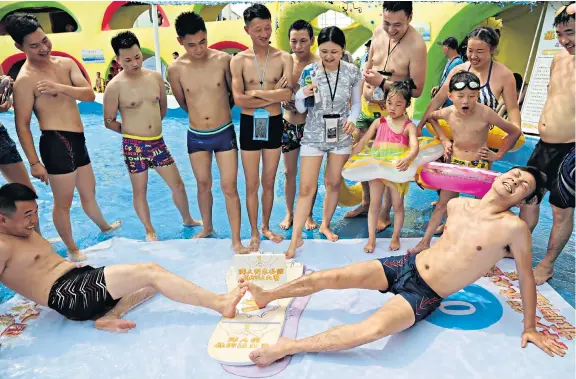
column 460, row 85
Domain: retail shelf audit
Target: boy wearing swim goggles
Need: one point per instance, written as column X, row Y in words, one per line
column 470, row 122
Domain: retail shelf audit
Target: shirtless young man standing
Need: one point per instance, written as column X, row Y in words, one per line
column 50, row 86
column 202, row 85
column 462, row 255
column 301, row 37
column 556, row 128
column 30, row 266
column 261, row 80
column 398, row 51
column 140, row 96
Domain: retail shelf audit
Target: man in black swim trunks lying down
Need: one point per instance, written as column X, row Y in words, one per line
column 30, row 266
column 420, row 282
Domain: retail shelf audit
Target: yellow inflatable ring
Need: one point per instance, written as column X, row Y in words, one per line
column 350, row 196
column 495, row 135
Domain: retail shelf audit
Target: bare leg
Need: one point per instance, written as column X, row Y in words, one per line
column 228, row 165
column 530, row 214
column 16, row 173
column 376, row 191
column 290, row 173
column 201, row 163
column 562, row 227
column 251, row 164
column 384, row 221
column 139, row 191
column 122, row 280
column 332, row 179
column 398, row 204
column 366, row 275
column 86, row 184
column 63, row 191
column 394, row 317
column 309, row 170
column 435, row 220
column 310, row 224
column 172, row 177
column 364, row 206
column 270, row 160
column 113, row 322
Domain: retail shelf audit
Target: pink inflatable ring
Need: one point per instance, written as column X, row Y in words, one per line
column 450, row 177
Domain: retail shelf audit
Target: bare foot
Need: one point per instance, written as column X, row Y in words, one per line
column 361, row 210
column 204, row 233
column 271, row 235
column 394, row 244
column 310, row 223
column 191, row 222
column 287, row 222
column 543, row 272
column 114, row 325
column 382, row 225
column 111, row 227
column 76, row 256
column 254, row 243
column 258, row 293
column 292, row 249
column 230, row 301
column 266, row 356
column 330, row 236
column 238, row 248
column 151, row 237
column 439, row 230
column 418, row 248
column 370, row 247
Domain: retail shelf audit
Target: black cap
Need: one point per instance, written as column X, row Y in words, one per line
column 451, row 42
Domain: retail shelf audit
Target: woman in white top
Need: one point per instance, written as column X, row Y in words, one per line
column 335, row 84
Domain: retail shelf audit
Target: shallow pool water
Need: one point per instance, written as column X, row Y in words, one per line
column 114, row 195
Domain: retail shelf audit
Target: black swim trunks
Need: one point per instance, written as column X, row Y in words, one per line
column 547, row 157
column 565, row 182
column 275, row 131
column 405, row 280
column 292, row 136
column 63, row 152
column 81, row 294
column 8, row 152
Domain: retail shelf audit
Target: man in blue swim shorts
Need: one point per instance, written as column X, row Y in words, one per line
column 30, row 266
column 462, row 255
column 201, row 83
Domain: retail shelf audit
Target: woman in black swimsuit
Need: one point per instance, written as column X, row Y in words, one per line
column 496, row 79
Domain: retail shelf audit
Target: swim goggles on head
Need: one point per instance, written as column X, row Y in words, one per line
column 471, row 84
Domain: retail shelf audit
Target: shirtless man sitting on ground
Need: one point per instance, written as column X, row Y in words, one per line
column 461, row 256
column 556, row 145
column 30, row 266
column 140, row 95
column 49, row 86
column 261, row 81
column 202, row 85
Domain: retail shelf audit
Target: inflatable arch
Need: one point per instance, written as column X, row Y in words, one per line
column 123, row 14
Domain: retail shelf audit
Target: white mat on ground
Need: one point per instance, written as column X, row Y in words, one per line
column 170, row 339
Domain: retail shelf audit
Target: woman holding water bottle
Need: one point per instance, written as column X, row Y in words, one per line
column 327, row 88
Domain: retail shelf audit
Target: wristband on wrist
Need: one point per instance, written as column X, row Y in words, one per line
column 34, row 164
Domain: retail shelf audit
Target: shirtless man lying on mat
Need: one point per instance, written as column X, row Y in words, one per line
column 30, row 266
column 460, row 256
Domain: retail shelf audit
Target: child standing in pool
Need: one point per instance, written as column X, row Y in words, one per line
column 470, row 122
column 396, row 140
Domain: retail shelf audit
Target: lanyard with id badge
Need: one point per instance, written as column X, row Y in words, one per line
column 331, row 121
column 261, row 116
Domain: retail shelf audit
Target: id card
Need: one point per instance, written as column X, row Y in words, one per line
column 331, row 131
column 261, row 122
